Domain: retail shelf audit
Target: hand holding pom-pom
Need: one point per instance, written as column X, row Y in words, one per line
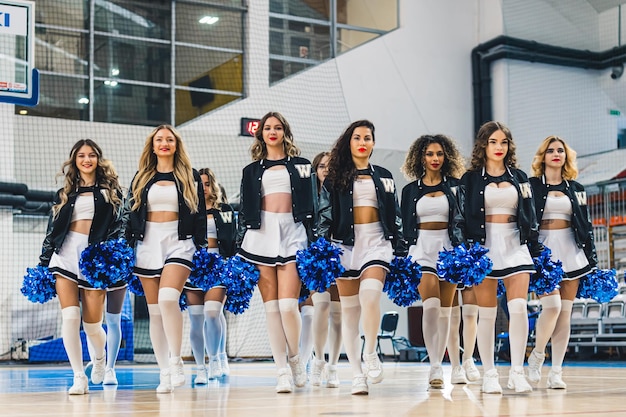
column 466, row 266
column 240, row 278
column 549, row 273
column 319, row 265
column 600, row 285
column 39, row 285
column 106, row 263
column 207, row 268
column 402, row 281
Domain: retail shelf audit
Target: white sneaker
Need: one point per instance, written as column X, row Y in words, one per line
column 97, row 373
column 535, row 362
column 80, row 386
column 458, row 375
column 332, row 381
column 285, row 381
column 298, row 371
column 109, row 377
column 555, row 378
column 317, row 372
column 491, row 384
column 471, row 372
column 224, row 363
column 177, row 372
column 517, row 380
column 374, row 369
column 201, row 378
column 435, row 377
column 359, row 385
column 215, row 368
column 165, row 384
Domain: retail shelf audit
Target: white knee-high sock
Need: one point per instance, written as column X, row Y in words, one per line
column 518, row 330
column 430, row 321
column 196, row 332
column 157, row 337
column 306, row 337
column 470, row 329
column 222, row 346
column 443, row 329
column 560, row 336
column 172, row 319
column 334, row 335
column 70, row 331
column 351, row 314
column 276, row 334
column 292, row 324
column 486, row 336
column 321, row 313
column 114, row 337
column 97, row 338
column 550, row 310
column 454, row 347
column 370, row 291
column 212, row 326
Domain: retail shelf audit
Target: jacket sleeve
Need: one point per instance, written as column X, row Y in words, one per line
column 590, row 245
column 534, row 245
column 116, row 229
column 199, row 218
column 458, row 215
column 241, row 221
column 325, row 214
column 232, row 246
column 400, row 246
column 47, row 248
column 126, row 210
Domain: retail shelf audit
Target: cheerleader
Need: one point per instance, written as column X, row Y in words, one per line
column 359, row 211
column 166, row 218
column 206, row 309
column 86, row 211
column 497, row 210
column 326, row 304
column 561, row 207
column 428, row 204
column 276, row 204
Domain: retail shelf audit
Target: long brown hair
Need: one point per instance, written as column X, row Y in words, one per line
column 215, row 198
column 258, row 149
column 341, row 168
column 479, row 157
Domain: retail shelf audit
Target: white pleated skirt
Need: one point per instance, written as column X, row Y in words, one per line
column 159, row 247
column 370, row 249
column 508, row 255
column 564, row 248
column 426, row 250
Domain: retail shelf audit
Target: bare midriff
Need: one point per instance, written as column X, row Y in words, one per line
column 277, row 203
column 500, row 218
column 162, row 216
column 432, row 225
column 81, row 226
column 554, row 224
column 365, row 214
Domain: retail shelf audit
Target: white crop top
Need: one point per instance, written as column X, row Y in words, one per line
column 163, row 198
column 501, row 200
column 84, row 208
column 432, row 209
column 275, row 181
column 211, row 228
column 557, row 208
column 364, row 193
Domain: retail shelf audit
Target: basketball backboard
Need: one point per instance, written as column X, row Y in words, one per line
column 19, row 80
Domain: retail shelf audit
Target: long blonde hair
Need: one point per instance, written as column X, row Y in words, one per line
column 183, row 171
column 258, row 149
column 569, row 171
column 215, row 198
column 106, row 177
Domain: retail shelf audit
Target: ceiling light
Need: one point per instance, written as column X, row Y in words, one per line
column 83, row 100
column 115, row 72
column 23, row 112
column 209, row 20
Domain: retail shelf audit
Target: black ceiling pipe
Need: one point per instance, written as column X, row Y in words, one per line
column 506, row 47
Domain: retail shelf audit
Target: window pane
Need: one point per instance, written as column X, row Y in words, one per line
column 191, row 104
column 61, row 51
column 300, row 40
column 131, row 104
column 59, row 97
column 223, row 69
column 348, row 39
column 280, row 69
column 68, row 13
column 314, row 9
column 132, row 60
column 142, row 18
column 209, row 26
column 373, row 14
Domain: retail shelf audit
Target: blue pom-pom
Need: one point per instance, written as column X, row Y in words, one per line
column 39, row 285
column 207, row 269
column 183, row 302
column 319, row 265
column 134, row 286
column 601, row 285
column 548, row 276
column 304, row 294
column 106, row 263
column 402, row 281
column 466, row 266
column 240, row 278
column 501, row 288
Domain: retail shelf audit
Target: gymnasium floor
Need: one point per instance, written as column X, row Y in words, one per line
column 593, row 389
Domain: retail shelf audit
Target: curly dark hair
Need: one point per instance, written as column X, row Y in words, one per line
column 341, row 169
column 482, row 140
column 453, row 165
